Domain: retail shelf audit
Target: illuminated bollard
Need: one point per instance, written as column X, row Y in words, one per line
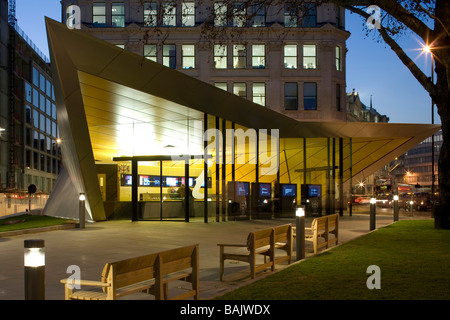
column 82, row 210
column 300, row 236
column 373, row 204
column 396, row 208
column 34, row 263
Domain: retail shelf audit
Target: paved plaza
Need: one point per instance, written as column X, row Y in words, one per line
column 102, row 242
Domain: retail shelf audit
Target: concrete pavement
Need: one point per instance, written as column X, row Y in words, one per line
column 102, row 242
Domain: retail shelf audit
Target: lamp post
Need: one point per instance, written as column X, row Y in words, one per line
column 82, row 210
column 300, row 237
column 427, row 49
column 373, row 203
column 34, row 263
column 396, row 207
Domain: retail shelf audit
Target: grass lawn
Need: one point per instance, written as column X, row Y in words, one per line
column 27, row 221
column 413, row 257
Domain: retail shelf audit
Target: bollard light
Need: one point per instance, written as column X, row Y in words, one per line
column 82, row 210
column 395, row 207
column 300, row 234
column 373, row 202
column 34, row 263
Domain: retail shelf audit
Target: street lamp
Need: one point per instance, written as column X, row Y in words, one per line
column 373, row 203
column 34, row 263
column 396, row 207
column 82, row 210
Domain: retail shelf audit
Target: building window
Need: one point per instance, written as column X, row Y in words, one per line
column 169, row 14
column 221, row 85
column 338, row 58
column 240, row 89
column 188, row 14
column 42, row 83
column 220, row 56
column 290, row 56
column 338, row 16
column 291, row 96
column 169, row 56
column 259, row 93
column 188, row 54
column 150, row 14
column 258, row 15
column 309, row 19
column 150, row 52
column 35, row 119
column 258, row 56
column 290, row 15
column 338, row 97
column 99, row 14
column 310, row 96
column 118, row 15
column 239, row 14
column 239, row 56
column 220, row 14
column 28, row 92
column 309, row 56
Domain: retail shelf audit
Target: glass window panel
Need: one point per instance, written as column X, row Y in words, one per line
column 309, row 96
column 258, row 56
column 290, row 15
column 240, row 89
column 309, row 56
column 188, row 52
column 35, row 77
column 290, row 96
column 309, row 15
column 28, row 114
column 35, row 118
column 99, row 14
column 41, row 122
column 188, row 14
column 239, row 14
column 221, row 85
column 220, row 14
column 150, row 14
column 169, row 14
column 28, row 92
column 42, row 83
column 290, row 56
column 53, row 111
column 338, row 59
column 48, row 89
column 220, row 56
column 150, row 52
column 169, row 55
column 239, row 56
column 118, row 15
column 42, row 102
column 259, row 93
column 259, row 15
column 35, row 98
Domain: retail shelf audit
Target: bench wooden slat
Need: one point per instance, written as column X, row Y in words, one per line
column 321, row 228
column 147, row 273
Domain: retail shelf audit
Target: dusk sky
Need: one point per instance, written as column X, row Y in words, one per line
column 372, row 67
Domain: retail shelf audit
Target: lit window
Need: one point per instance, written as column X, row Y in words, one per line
column 290, row 56
column 169, row 14
column 239, row 14
column 150, row 14
column 291, row 96
column 259, row 15
column 338, row 58
column 221, row 85
column 239, row 56
column 259, row 93
column 220, row 14
column 188, row 14
column 240, row 89
column 99, row 14
column 150, row 52
column 188, row 54
column 169, row 55
column 220, row 56
column 118, row 15
column 309, row 56
column 258, row 56
column 310, row 96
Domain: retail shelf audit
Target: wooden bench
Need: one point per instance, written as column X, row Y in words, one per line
column 322, row 227
column 150, row 274
column 262, row 242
